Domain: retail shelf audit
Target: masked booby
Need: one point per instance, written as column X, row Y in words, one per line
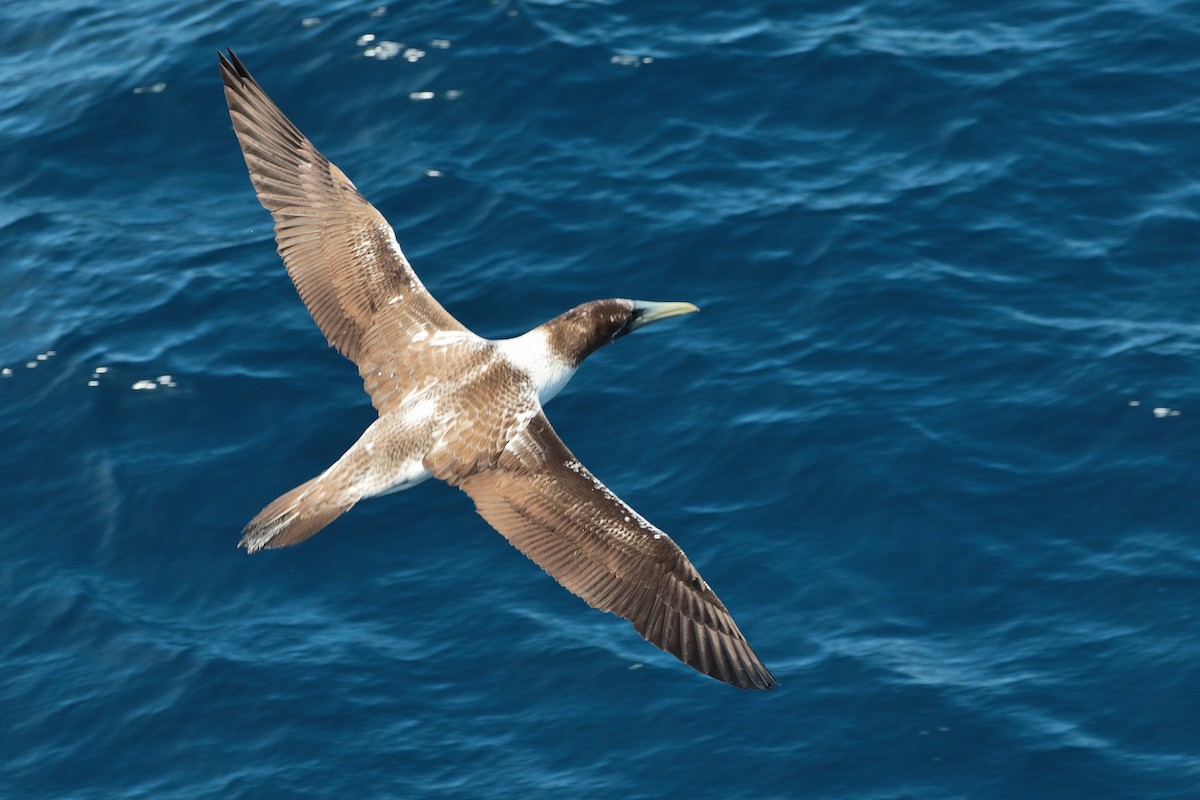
column 465, row 409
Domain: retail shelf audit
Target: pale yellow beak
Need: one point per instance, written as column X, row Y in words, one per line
column 646, row 312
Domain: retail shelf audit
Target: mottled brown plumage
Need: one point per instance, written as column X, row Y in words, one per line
column 464, row 409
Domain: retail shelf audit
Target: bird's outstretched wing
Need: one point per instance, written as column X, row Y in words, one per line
column 552, row 509
column 339, row 250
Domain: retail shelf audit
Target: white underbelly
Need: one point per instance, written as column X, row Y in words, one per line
column 416, row 473
column 390, row 455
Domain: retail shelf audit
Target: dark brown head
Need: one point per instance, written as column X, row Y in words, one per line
column 584, row 329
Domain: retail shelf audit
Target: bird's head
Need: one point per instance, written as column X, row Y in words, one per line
column 584, row 329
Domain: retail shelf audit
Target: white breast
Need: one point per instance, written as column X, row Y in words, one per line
column 531, row 354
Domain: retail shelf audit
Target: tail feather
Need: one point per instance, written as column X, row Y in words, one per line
column 295, row 516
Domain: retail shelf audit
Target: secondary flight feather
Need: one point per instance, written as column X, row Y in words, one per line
column 464, row 409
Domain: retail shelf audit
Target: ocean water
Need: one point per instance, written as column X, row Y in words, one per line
column 934, row 437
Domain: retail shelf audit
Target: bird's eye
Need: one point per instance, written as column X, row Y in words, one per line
column 629, row 325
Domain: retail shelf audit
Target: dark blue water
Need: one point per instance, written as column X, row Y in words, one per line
column 934, row 437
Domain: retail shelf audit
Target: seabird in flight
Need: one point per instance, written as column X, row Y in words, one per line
column 465, row 409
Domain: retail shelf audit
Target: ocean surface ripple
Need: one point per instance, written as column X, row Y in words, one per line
column 932, row 438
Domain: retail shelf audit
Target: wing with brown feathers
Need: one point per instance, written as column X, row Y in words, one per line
column 557, row 513
column 339, row 251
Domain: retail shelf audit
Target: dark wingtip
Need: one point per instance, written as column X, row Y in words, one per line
column 769, row 683
column 761, row 680
column 748, row 673
column 232, row 66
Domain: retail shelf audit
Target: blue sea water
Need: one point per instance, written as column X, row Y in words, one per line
column 933, row 438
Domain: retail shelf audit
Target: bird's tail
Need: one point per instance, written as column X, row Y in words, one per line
column 296, row 516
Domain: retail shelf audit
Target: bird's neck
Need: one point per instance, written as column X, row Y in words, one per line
column 533, row 354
